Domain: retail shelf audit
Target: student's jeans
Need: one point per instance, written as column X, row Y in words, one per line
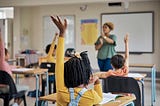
column 104, row 64
column 50, row 80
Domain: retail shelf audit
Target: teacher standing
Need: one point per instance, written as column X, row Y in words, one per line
column 105, row 45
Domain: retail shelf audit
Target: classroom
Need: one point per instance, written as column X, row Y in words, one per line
column 30, row 31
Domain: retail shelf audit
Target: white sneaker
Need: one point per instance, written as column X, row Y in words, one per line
column 15, row 104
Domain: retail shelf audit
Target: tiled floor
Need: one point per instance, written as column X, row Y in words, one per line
column 30, row 81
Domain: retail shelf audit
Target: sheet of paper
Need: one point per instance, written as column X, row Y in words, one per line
column 108, row 97
column 22, row 69
column 135, row 75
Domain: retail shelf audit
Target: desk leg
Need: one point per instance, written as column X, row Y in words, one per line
column 130, row 104
column 153, row 90
column 47, row 84
column 142, row 85
column 17, row 79
column 37, row 89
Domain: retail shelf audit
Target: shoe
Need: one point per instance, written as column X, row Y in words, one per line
column 33, row 93
column 15, row 104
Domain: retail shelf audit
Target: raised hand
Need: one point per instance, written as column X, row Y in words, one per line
column 126, row 38
column 62, row 26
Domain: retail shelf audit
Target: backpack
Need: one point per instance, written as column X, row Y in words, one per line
column 75, row 101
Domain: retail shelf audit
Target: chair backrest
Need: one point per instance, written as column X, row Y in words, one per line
column 5, row 78
column 69, row 52
column 49, row 66
column 118, row 84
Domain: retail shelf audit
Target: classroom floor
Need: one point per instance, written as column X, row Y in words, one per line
column 30, row 81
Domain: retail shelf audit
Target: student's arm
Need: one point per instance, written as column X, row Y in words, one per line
column 97, row 92
column 126, row 50
column 2, row 52
column 59, row 72
column 52, row 45
column 105, row 74
column 50, row 57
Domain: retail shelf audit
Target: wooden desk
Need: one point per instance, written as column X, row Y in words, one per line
column 153, row 79
column 121, row 101
column 35, row 72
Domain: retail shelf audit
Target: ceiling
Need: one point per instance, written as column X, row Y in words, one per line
column 56, row 2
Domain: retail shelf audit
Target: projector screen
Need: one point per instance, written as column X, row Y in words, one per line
column 140, row 27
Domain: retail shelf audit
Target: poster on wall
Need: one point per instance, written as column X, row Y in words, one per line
column 89, row 31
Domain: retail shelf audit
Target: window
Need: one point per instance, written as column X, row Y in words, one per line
column 7, row 12
column 49, row 30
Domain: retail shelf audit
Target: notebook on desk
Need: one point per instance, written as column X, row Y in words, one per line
column 49, row 66
column 107, row 97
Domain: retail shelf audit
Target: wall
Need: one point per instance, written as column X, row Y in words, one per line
column 35, row 26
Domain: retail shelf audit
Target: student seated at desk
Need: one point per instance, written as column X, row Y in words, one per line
column 72, row 79
column 49, row 59
column 4, row 56
column 119, row 63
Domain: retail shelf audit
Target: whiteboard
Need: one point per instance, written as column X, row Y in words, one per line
column 139, row 25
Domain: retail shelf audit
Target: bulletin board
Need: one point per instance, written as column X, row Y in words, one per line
column 139, row 25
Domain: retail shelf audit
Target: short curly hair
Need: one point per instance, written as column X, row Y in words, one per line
column 110, row 25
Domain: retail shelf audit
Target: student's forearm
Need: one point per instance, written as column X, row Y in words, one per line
column 127, row 53
column 51, row 49
column 101, row 74
column 126, row 50
column 98, row 89
column 0, row 38
column 55, row 37
column 60, row 64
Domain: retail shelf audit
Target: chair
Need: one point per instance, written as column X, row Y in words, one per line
column 51, row 69
column 70, row 52
column 116, row 84
column 12, row 93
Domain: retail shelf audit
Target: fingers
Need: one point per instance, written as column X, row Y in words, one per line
column 61, row 26
column 56, row 34
column 59, row 20
column 54, row 20
column 65, row 23
column 126, row 37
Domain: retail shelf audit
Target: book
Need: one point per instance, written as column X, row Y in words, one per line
column 109, row 97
